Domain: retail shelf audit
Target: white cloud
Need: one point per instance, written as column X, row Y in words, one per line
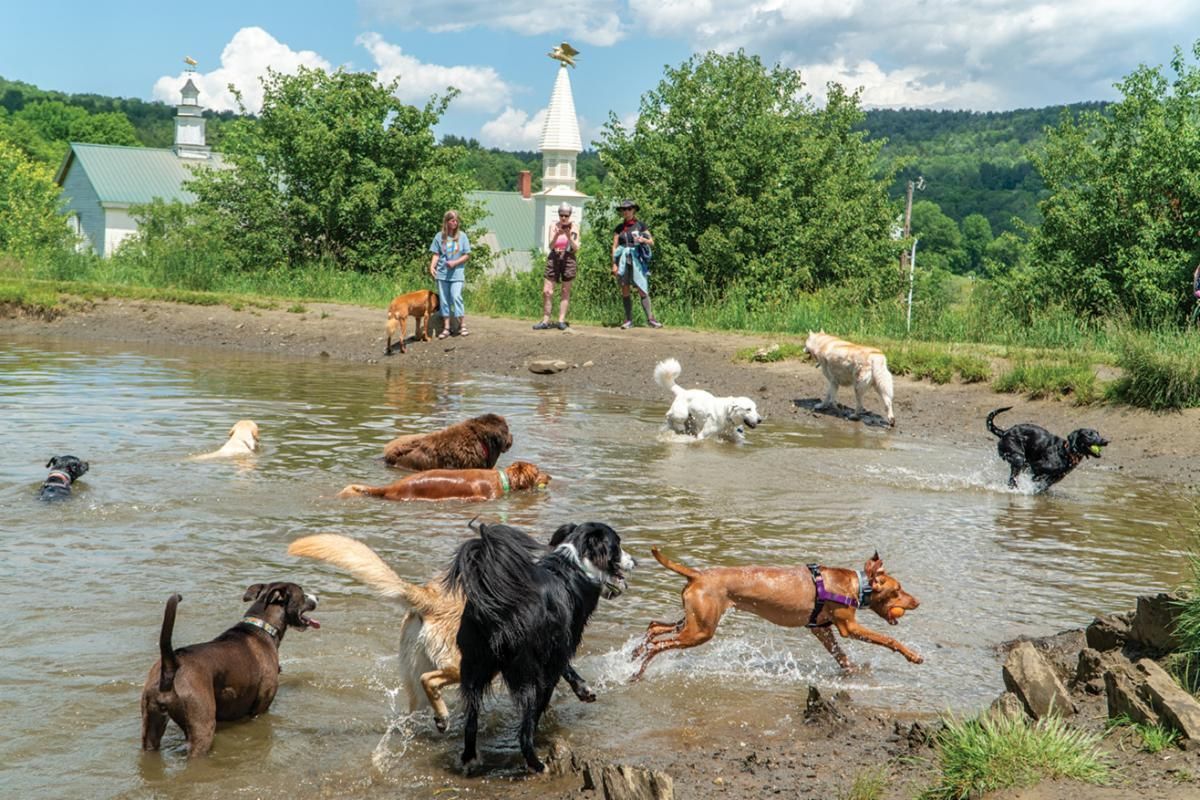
column 595, row 22
column 941, row 53
column 514, row 129
column 244, row 61
column 481, row 88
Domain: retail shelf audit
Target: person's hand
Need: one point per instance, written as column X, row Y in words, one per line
column 614, row 269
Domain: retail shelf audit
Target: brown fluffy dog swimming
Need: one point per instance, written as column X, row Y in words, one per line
column 419, row 305
column 456, row 484
column 429, row 655
column 475, row 443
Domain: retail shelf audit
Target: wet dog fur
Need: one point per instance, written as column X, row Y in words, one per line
column 429, row 655
column 65, row 470
column 1048, row 458
column 847, row 364
column 243, row 441
column 233, row 676
column 475, row 443
column 696, row 412
column 524, row 619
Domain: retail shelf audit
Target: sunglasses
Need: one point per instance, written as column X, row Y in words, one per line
column 564, row 215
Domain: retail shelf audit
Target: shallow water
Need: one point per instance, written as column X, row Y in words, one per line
column 84, row 581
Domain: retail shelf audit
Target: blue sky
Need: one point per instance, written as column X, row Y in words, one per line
column 977, row 54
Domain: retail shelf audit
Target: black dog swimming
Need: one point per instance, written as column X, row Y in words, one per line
column 65, row 471
column 524, row 619
column 1048, row 457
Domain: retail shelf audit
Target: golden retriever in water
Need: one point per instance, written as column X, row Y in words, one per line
column 847, row 364
column 243, row 441
column 429, row 655
column 475, row 443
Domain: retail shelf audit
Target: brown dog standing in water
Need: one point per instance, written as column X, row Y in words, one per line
column 456, row 484
column 419, row 305
column 787, row 596
column 235, row 675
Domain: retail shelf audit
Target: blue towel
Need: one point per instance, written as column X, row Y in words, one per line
column 624, row 256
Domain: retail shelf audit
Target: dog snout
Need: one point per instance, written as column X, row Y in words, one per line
column 628, row 562
column 310, row 601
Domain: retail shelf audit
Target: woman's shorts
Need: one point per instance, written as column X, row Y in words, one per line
column 560, row 267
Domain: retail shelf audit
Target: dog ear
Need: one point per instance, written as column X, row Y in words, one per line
column 562, row 533
column 873, row 566
column 253, row 591
column 52, row 462
column 597, row 546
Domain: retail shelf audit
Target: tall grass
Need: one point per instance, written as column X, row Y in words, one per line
column 986, row 754
column 1184, row 664
column 1039, row 377
column 1161, row 369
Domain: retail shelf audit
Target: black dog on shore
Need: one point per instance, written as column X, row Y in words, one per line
column 523, row 619
column 65, row 471
column 1048, row 457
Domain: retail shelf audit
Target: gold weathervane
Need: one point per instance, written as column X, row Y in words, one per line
column 564, row 53
column 191, row 62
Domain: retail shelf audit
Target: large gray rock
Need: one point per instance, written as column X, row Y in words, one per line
column 1108, row 632
column 547, row 366
column 1154, row 621
column 1121, row 687
column 1176, row 708
column 1030, row 677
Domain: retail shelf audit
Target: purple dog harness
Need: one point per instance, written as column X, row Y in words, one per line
column 825, row 596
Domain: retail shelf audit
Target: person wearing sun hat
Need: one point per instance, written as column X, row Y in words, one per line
column 562, row 243
column 630, row 248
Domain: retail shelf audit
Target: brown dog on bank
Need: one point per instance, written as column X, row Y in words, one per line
column 475, row 443
column 456, row 484
column 420, row 305
column 786, row 596
column 235, row 675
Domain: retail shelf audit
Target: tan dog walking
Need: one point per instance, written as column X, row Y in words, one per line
column 814, row 596
column 420, row 305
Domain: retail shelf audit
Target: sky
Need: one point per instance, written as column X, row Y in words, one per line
column 941, row 54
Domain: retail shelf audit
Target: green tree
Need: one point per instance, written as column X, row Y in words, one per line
column 1122, row 219
column 976, row 236
column 940, row 240
column 334, row 168
column 744, row 183
column 30, row 205
column 111, row 127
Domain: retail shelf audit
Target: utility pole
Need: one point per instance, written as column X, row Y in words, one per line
column 917, row 185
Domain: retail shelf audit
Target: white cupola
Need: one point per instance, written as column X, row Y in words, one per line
column 560, row 145
column 189, row 125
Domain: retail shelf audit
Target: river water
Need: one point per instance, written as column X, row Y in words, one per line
column 84, row 581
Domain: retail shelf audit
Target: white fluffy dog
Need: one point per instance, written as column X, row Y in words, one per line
column 243, row 441
column 698, row 413
column 847, row 364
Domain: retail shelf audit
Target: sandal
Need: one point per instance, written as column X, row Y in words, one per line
column 463, row 332
column 443, row 334
column 542, row 326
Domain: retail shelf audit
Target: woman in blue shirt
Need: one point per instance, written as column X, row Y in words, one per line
column 450, row 249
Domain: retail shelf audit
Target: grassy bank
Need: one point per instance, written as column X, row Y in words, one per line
column 1051, row 356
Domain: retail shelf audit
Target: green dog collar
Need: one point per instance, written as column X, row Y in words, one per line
column 503, row 481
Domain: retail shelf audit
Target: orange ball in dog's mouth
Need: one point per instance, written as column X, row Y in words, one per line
column 895, row 612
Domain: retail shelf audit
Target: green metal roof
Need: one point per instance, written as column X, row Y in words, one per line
column 509, row 216
column 134, row 174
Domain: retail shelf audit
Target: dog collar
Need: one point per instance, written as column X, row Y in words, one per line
column 263, row 624
column 66, row 479
column 824, row 595
column 1073, row 458
column 504, row 489
column 483, row 446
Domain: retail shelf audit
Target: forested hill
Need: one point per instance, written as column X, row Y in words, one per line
column 972, row 162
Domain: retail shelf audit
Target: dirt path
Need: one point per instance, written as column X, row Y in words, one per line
column 805, row 758
column 1157, row 446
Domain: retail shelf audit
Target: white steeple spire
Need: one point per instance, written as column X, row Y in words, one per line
column 560, row 131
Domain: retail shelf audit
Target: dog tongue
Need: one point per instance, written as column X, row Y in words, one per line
column 312, row 623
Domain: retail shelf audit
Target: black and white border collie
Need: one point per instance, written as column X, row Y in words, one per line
column 524, row 619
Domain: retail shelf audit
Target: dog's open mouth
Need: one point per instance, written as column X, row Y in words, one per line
column 614, row 585
column 1095, row 450
column 307, row 622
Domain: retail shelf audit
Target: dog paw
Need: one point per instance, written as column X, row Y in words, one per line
column 586, row 695
column 441, row 723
